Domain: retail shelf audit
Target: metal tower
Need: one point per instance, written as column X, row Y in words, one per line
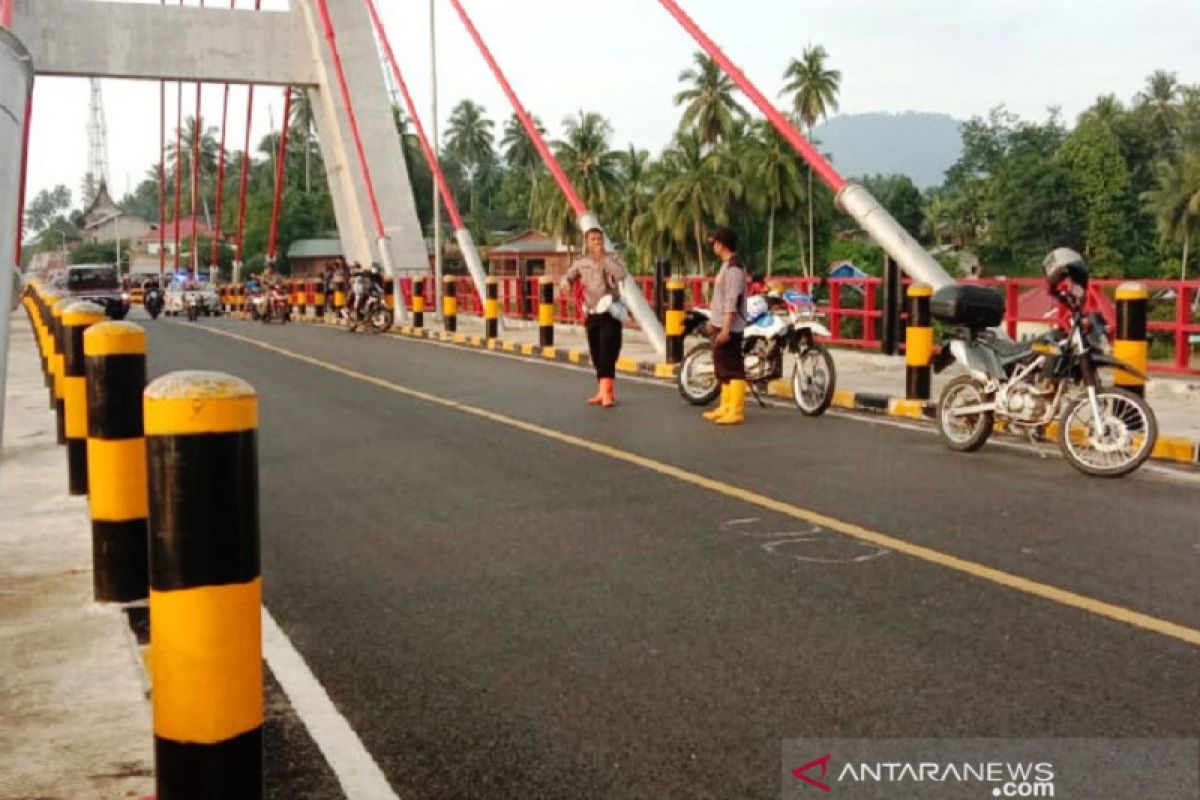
column 97, row 174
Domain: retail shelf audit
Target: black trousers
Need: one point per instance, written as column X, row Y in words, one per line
column 728, row 362
column 604, row 343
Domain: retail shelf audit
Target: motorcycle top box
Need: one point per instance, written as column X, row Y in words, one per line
column 964, row 304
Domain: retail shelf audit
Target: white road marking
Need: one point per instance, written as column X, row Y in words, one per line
column 356, row 770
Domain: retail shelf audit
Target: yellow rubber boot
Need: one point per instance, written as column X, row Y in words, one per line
column 735, row 414
column 722, row 407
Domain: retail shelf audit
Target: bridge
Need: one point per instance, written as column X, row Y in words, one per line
column 475, row 585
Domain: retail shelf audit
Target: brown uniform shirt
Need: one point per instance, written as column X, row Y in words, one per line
column 597, row 277
column 729, row 295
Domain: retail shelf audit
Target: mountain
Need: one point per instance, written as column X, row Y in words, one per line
column 920, row 145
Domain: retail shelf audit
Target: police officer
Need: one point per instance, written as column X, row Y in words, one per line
column 601, row 275
column 726, row 323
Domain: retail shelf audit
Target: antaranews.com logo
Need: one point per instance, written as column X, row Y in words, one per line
column 1006, row 779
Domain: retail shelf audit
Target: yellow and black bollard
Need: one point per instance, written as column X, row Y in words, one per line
column 319, row 298
column 674, row 321
column 115, row 356
column 339, row 299
column 418, row 302
column 546, row 311
column 1130, row 345
column 205, row 586
column 76, row 319
column 58, row 366
column 918, row 342
column 491, row 310
column 450, row 303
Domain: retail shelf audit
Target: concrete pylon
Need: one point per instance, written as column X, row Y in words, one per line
column 220, row 45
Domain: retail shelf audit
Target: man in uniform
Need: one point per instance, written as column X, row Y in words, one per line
column 726, row 323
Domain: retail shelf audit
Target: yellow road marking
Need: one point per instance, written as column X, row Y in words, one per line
column 999, row 577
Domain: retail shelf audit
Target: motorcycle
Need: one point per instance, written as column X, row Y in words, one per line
column 370, row 308
column 153, row 303
column 1101, row 430
column 274, row 306
column 194, row 303
column 777, row 325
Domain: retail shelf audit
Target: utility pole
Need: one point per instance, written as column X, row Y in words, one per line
column 437, row 151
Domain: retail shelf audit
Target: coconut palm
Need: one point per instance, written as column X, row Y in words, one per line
column 775, row 185
column 636, row 190
column 469, row 140
column 709, row 104
column 1175, row 203
column 521, row 153
column 303, row 125
column 694, row 191
column 814, row 90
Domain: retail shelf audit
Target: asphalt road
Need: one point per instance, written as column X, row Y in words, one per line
column 501, row 613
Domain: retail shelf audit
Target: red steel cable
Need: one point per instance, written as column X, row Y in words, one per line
column 178, row 171
column 195, row 254
column 6, row 13
column 539, row 142
column 245, row 176
column 331, row 38
column 280, row 173
column 430, row 156
column 216, row 241
column 162, row 180
column 820, row 166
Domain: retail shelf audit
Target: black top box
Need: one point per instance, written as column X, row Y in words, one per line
column 964, row 304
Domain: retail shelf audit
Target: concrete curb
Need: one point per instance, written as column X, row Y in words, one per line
column 1169, row 448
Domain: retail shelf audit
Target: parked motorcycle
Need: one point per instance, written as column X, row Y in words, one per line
column 194, row 303
column 274, row 306
column 370, row 309
column 778, row 324
column 1102, row 430
column 153, row 303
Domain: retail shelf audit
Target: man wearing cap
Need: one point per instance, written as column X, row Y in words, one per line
column 601, row 275
column 726, row 324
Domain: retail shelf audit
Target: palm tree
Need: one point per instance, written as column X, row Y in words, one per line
column 179, row 160
column 521, row 153
column 469, row 139
column 814, row 91
column 774, row 171
column 636, row 190
column 694, row 190
column 710, row 107
column 303, row 124
column 593, row 169
column 1107, row 109
column 1175, row 203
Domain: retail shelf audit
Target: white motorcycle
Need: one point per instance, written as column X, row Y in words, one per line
column 776, row 325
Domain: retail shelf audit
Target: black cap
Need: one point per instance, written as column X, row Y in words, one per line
column 725, row 236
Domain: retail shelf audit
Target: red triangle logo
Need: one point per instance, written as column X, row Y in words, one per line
column 823, row 763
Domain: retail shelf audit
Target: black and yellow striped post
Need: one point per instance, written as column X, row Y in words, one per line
column 491, row 309
column 35, row 322
column 675, row 320
column 38, row 310
column 339, row 297
column 418, row 302
column 58, row 366
column 115, row 356
column 918, row 344
column 1130, row 346
column 450, row 303
column 319, row 298
column 546, row 311
column 76, row 319
column 205, row 586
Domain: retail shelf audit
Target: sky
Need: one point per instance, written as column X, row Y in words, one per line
column 622, row 58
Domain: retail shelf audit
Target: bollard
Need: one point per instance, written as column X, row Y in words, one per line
column 76, row 319
column 891, row 306
column 418, row 302
column 1130, row 345
column 918, row 341
column 675, row 321
column 450, row 303
column 58, row 366
column 491, row 309
column 546, row 311
column 205, row 586
column 339, row 299
column 115, row 365
column 389, row 294
column 319, row 298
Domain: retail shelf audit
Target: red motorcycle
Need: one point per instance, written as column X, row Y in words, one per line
column 276, row 307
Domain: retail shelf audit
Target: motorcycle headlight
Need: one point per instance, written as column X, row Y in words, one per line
column 125, row 296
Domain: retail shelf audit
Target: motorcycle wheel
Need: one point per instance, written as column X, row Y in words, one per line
column 968, row 433
column 382, row 320
column 814, row 380
column 154, row 314
column 1127, row 439
column 697, row 376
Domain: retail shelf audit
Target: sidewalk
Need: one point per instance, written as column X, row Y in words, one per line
column 1176, row 401
column 74, row 718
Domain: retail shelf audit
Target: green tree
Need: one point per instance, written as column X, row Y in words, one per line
column 773, row 169
column 48, row 205
column 695, row 190
column 303, row 129
column 1175, row 203
column 709, row 105
column 1092, row 155
column 522, row 157
column 813, row 88
column 900, row 196
column 469, row 139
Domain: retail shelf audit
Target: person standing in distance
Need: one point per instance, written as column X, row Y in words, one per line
column 601, row 275
column 728, row 309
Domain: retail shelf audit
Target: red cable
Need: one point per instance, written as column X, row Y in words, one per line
column 241, row 221
column 6, row 13
column 323, row 8
column 24, row 173
column 820, row 166
column 430, row 156
column 162, row 180
column 216, row 241
column 196, row 182
column 280, row 163
column 178, row 171
column 540, row 143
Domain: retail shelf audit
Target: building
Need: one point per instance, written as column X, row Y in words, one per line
column 1036, row 311
column 105, row 221
column 309, row 257
column 529, row 255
